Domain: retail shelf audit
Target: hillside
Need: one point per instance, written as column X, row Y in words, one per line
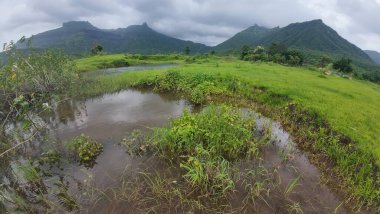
column 313, row 37
column 249, row 36
column 78, row 37
column 375, row 56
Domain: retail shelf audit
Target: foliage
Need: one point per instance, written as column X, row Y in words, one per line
column 220, row 130
column 86, row 149
column 245, row 50
column 28, row 81
column 209, row 141
column 187, row 50
column 97, row 49
column 324, row 61
column 343, row 65
column 277, row 48
column 277, row 53
column 46, row 72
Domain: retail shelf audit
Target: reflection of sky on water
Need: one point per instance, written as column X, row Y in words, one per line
column 115, row 114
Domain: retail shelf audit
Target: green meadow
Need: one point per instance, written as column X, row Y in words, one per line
column 350, row 106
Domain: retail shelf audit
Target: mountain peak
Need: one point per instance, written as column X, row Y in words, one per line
column 316, row 22
column 78, row 25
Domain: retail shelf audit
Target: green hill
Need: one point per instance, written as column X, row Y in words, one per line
column 77, row 38
column 313, row 37
column 249, row 36
column 375, row 56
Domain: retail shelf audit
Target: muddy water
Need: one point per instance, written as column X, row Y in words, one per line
column 108, row 119
column 291, row 164
column 113, row 71
column 111, row 117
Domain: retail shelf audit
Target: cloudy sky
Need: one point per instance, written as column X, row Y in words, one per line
column 206, row 21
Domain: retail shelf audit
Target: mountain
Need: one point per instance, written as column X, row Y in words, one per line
column 249, row 36
column 78, row 37
column 313, row 37
column 375, row 56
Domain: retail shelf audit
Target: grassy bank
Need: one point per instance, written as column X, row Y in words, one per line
column 331, row 117
column 122, row 60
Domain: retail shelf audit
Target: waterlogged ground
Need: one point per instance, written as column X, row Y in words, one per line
column 113, row 71
column 296, row 184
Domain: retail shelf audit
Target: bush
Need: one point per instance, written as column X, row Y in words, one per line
column 222, row 131
column 205, row 143
column 50, row 71
column 86, row 149
column 120, row 63
column 343, row 65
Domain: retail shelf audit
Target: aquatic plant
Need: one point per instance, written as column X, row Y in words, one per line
column 86, row 149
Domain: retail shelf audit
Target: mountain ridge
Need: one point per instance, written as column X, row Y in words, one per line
column 313, row 36
column 78, row 37
column 374, row 55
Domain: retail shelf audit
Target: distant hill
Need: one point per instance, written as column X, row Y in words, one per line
column 375, row 56
column 313, row 37
column 250, row 36
column 78, row 37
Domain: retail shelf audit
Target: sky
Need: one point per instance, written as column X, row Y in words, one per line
column 206, row 21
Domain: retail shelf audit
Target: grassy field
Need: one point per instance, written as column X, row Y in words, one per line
column 350, row 106
column 121, row 60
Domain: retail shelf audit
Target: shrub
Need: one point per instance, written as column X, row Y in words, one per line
column 120, row 63
column 222, row 131
column 86, row 149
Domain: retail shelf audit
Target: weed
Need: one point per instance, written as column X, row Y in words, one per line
column 86, row 149
column 295, row 208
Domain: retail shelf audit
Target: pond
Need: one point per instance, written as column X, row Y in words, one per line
column 113, row 71
column 109, row 118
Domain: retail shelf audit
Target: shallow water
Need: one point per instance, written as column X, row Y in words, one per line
column 113, row 71
column 111, row 117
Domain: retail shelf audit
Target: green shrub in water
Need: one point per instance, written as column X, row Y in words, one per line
column 206, row 143
column 86, row 148
column 222, row 131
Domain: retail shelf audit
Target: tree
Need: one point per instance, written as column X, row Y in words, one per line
column 343, row 65
column 277, row 49
column 187, row 50
column 324, row 61
column 244, row 52
column 258, row 54
column 96, row 49
column 294, row 57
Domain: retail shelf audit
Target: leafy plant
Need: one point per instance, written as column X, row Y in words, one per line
column 86, row 149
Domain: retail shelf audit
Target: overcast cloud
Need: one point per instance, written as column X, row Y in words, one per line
column 205, row 21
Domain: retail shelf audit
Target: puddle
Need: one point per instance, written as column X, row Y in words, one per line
column 113, row 71
column 111, row 117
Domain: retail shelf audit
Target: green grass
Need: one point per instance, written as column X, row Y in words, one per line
column 121, row 60
column 350, row 106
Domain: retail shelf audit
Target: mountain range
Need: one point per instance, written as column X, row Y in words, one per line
column 78, row 37
column 375, row 56
column 314, row 38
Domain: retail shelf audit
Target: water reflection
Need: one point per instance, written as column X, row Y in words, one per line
column 113, row 71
